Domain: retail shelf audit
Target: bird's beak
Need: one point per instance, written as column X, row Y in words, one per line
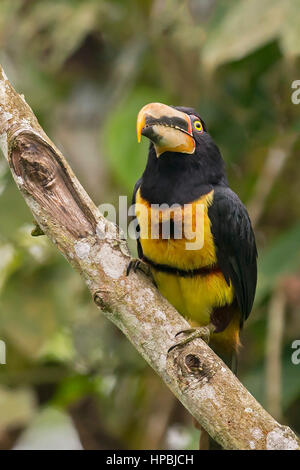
column 170, row 130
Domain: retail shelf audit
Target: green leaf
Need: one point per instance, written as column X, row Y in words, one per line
column 249, row 25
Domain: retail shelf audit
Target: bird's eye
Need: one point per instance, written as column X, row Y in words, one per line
column 198, row 126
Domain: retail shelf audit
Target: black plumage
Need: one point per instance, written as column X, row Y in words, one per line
column 236, row 247
column 177, row 178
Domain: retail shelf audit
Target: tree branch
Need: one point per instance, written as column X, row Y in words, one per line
column 92, row 245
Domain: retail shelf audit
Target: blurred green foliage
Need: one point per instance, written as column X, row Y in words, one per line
column 86, row 67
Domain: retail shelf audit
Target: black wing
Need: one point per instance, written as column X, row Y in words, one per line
column 235, row 246
column 139, row 246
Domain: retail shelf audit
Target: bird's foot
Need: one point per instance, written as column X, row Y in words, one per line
column 203, row 332
column 135, row 264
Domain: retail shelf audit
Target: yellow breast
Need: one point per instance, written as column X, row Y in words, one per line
column 194, row 246
column 194, row 297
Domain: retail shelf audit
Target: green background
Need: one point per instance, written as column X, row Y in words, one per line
column 86, row 68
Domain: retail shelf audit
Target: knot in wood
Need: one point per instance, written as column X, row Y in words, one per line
column 32, row 161
column 46, row 179
column 191, row 365
column 192, row 362
column 39, row 170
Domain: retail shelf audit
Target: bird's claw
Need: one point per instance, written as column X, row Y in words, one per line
column 135, row 264
column 202, row 332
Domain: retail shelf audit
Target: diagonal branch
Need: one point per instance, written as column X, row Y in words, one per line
column 92, row 245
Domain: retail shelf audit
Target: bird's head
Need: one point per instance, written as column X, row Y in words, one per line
column 170, row 129
column 179, row 131
column 180, row 149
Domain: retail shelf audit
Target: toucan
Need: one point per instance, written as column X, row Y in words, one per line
column 194, row 233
